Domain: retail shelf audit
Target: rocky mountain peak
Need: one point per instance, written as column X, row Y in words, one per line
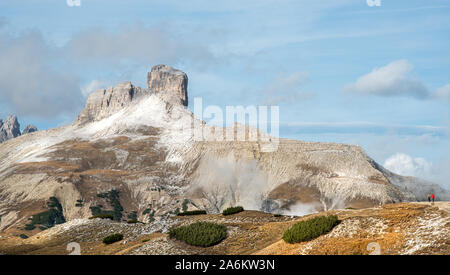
column 164, row 81
column 29, row 129
column 9, row 129
column 169, row 83
column 105, row 102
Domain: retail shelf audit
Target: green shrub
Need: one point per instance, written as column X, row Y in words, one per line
column 232, row 210
column 79, row 203
column 152, row 216
column 47, row 218
column 113, row 238
column 43, row 227
column 185, row 205
column 132, row 216
column 191, row 213
column 146, row 211
column 103, row 216
column 310, row 229
column 202, row 234
column 112, row 197
column 29, row 227
column 23, row 236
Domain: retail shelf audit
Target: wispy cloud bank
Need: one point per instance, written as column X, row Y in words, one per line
column 364, row 127
column 38, row 78
column 443, row 92
column 137, row 44
column 287, row 88
column 30, row 83
column 406, row 165
column 95, row 84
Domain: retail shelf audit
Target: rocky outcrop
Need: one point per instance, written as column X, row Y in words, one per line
column 29, row 129
column 105, row 102
column 164, row 81
column 9, row 129
column 169, row 83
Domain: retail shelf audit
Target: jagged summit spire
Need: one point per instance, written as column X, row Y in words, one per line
column 9, row 129
column 164, row 81
column 170, row 82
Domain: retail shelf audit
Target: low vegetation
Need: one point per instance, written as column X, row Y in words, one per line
column 47, row 218
column 79, row 203
column 103, row 216
column 232, row 210
column 112, row 197
column 185, row 205
column 202, row 234
column 112, row 238
column 310, row 229
column 191, row 213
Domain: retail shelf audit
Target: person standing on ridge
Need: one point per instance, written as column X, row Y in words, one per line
column 432, row 198
column 429, row 197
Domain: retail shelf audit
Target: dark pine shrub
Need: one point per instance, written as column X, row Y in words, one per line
column 232, row 210
column 202, row 234
column 191, row 213
column 310, row 229
column 29, row 226
column 103, row 216
column 113, row 238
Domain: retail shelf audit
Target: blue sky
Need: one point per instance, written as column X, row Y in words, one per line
column 340, row 70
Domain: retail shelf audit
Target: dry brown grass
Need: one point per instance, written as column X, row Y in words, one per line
column 253, row 232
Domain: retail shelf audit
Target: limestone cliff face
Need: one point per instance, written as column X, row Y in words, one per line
column 105, row 102
column 170, row 83
column 29, row 129
column 9, row 129
column 164, row 81
column 128, row 139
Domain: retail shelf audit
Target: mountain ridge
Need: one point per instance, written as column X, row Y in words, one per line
column 141, row 142
column 10, row 128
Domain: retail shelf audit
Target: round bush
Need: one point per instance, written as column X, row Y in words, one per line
column 310, row 229
column 192, row 213
column 232, row 210
column 202, row 234
column 113, row 238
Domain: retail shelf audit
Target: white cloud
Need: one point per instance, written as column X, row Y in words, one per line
column 136, row 44
column 94, row 85
column 406, row 165
column 287, row 88
column 30, row 82
column 40, row 79
column 393, row 79
column 443, row 92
